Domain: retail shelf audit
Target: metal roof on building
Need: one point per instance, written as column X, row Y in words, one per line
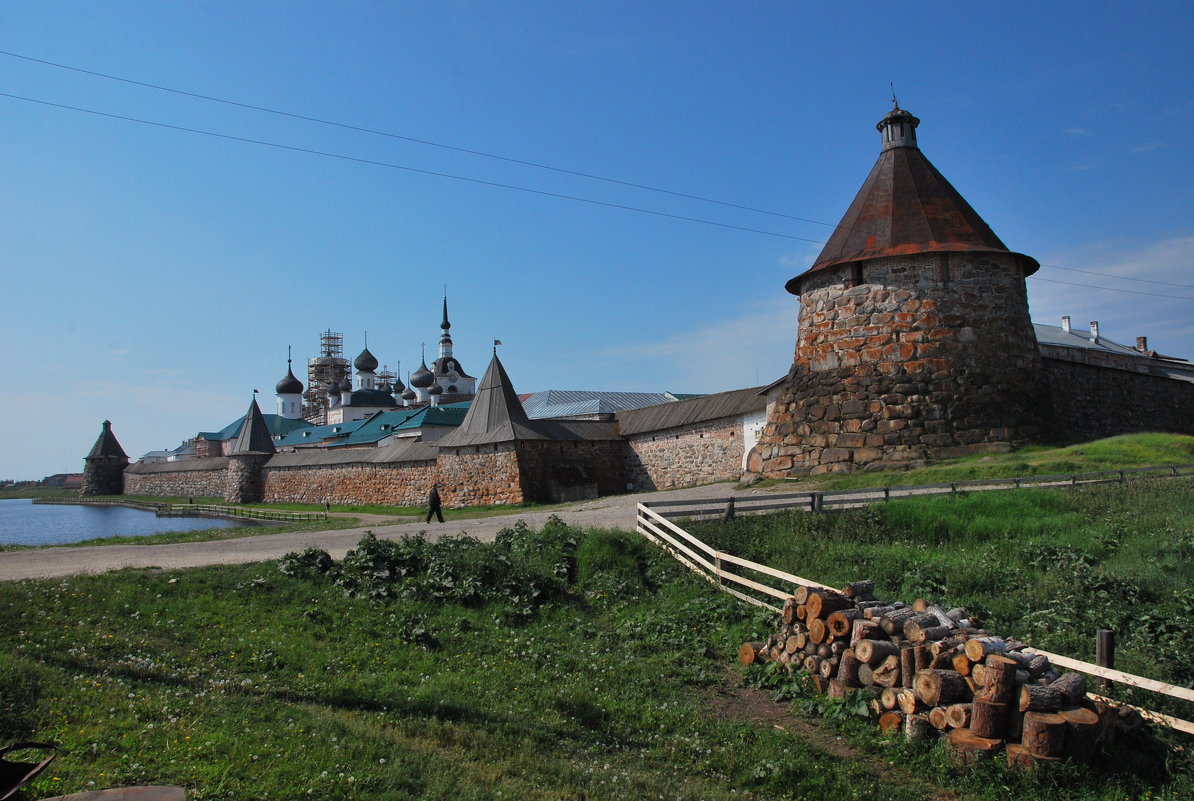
column 564, row 403
column 106, row 444
column 314, row 435
column 254, row 436
column 212, row 463
column 1162, row 366
column 689, row 412
column 403, row 451
column 276, row 424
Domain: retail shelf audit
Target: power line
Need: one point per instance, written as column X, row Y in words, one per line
column 427, row 142
column 1109, row 289
column 1121, row 277
column 390, row 165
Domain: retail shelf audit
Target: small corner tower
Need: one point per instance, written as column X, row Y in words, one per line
column 252, row 448
column 913, row 337
column 103, row 470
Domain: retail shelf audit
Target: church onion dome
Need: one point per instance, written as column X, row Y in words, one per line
column 436, row 389
column 289, row 385
column 906, row 207
column 366, row 362
column 345, row 385
column 386, row 388
column 422, row 378
column 398, row 386
column 409, row 395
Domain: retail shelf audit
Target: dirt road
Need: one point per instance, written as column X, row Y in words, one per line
column 613, row 512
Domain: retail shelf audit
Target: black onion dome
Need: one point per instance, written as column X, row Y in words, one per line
column 345, row 385
column 366, row 362
column 422, row 378
column 436, row 389
column 289, row 385
column 409, row 395
column 398, row 385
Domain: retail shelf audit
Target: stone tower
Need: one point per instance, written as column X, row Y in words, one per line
column 103, row 471
column 246, row 462
column 913, row 340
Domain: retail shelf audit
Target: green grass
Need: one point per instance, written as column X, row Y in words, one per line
column 1113, row 453
column 547, row 665
column 16, row 493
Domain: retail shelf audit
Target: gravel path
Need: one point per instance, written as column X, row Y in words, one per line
column 616, row 512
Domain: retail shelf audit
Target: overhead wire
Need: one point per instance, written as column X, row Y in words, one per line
column 469, row 151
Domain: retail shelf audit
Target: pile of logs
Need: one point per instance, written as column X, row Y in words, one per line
column 933, row 670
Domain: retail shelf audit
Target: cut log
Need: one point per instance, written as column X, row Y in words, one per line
column 877, row 613
column 958, row 715
column 1013, row 725
column 952, row 644
column 865, row 675
column 824, row 651
column 1072, row 687
column 978, row 672
column 794, row 643
column 937, row 687
column 989, row 718
column 841, row 621
column 918, row 633
column 1044, row 733
column 887, row 672
column 801, row 594
column 838, row 647
column 820, row 684
column 1021, row 760
column 917, row 622
column 1000, row 679
column 907, row 664
column 920, row 605
column 956, row 614
column 801, row 612
column 857, row 589
column 875, row 651
column 966, row 748
column 840, row 689
column 828, row 668
column 1038, row 666
column 824, row 603
column 847, row 668
column 788, row 615
column 801, row 640
column 751, row 652
column 1040, row 698
column 1082, row 732
column 938, row 719
column 908, row 702
column 980, row 647
column 893, row 622
column 916, row 727
column 812, row 664
column 891, row 722
column 889, row 698
column 961, row 664
column 921, row 657
column 862, row 630
column 818, row 631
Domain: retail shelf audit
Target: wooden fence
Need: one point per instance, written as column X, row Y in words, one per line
column 841, row 499
column 720, row 568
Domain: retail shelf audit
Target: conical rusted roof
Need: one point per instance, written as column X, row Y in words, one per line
column 106, row 444
column 254, row 436
column 905, row 207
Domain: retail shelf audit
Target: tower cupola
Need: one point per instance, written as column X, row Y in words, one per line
column 290, row 393
column 898, row 128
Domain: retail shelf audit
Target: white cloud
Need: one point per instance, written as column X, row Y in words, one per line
column 1075, row 131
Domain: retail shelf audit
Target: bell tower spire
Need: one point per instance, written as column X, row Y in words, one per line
column 445, row 340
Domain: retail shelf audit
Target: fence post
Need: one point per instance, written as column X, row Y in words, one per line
column 887, row 493
column 717, row 567
column 817, row 501
column 729, row 512
column 1105, row 652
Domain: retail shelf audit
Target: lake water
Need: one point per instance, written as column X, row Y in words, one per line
column 24, row 523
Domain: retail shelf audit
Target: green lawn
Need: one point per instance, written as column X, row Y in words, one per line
column 550, row 665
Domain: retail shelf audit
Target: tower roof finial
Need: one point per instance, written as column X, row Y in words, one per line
column 895, row 104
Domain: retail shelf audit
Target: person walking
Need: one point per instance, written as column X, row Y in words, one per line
column 434, row 504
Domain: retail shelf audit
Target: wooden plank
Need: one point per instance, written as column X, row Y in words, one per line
column 660, row 519
column 1157, row 717
column 1117, row 675
column 710, row 567
column 688, row 501
column 744, row 597
column 683, row 560
column 754, row 585
column 770, row 571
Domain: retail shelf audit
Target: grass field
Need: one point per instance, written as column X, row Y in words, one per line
column 569, row 664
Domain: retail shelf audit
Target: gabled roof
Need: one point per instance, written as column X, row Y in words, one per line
column 1151, row 362
column 276, row 424
column 314, row 435
column 689, row 412
column 905, row 207
column 106, row 444
column 495, row 414
column 253, row 437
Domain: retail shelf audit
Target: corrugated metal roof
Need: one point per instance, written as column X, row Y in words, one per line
column 404, row 451
column 560, row 402
column 688, row 412
column 276, row 424
column 316, row 434
column 213, row 463
column 1077, row 338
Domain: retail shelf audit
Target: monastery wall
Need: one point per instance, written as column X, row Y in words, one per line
column 1093, row 401
column 479, row 475
column 196, row 478
column 571, row 470
column 393, row 483
column 682, row 457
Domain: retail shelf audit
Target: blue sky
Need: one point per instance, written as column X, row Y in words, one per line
column 155, row 276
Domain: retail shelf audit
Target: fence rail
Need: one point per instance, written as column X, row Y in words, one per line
column 196, row 510
column 711, row 564
column 818, row 501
